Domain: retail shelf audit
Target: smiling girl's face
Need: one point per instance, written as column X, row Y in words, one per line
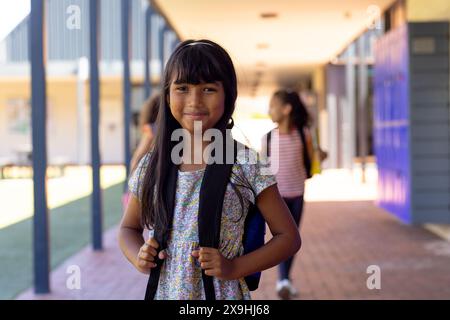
column 203, row 102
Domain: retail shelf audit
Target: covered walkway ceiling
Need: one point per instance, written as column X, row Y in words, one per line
column 269, row 39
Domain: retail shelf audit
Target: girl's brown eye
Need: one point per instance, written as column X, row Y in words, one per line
column 181, row 88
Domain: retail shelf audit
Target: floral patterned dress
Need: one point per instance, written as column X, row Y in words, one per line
column 180, row 277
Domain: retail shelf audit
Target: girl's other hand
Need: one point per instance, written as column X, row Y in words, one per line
column 214, row 263
column 146, row 256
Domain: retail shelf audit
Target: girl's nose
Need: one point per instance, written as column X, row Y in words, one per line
column 195, row 98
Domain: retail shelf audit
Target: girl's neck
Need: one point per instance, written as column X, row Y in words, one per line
column 198, row 148
column 195, row 163
column 284, row 127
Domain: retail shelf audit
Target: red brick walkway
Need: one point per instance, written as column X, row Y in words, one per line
column 340, row 240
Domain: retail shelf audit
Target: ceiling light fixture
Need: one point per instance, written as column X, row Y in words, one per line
column 262, row 45
column 268, row 15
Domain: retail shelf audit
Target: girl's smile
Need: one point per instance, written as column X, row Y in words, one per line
column 196, row 115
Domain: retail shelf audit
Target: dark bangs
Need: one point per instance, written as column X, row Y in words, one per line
column 196, row 65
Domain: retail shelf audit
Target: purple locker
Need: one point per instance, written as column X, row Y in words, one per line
column 392, row 132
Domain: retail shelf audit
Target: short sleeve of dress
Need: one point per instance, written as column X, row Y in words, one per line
column 137, row 176
column 256, row 172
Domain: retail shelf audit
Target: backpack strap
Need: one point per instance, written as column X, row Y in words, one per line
column 306, row 159
column 212, row 194
column 269, row 139
column 209, row 218
column 169, row 194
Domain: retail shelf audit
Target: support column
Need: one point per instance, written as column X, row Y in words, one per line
column 126, row 80
column 41, row 253
column 161, row 32
column 350, row 133
column 147, row 60
column 362, row 104
column 97, row 210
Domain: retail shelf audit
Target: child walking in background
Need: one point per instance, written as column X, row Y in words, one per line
column 199, row 87
column 289, row 144
column 147, row 120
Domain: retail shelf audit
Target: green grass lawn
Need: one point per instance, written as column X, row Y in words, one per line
column 70, row 231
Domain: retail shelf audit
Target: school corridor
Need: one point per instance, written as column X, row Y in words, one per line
column 342, row 240
column 374, row 76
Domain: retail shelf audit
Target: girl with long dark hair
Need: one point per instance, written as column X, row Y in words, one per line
column 290, row 145
column 199, row 87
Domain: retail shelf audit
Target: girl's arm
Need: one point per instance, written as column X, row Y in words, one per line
column 131, row 241
column 286, row 239
column 143, row 147
column 130, row 232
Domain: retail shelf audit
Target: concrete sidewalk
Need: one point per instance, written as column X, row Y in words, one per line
column 340, row 241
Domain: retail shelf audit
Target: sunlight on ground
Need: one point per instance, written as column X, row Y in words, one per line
column 342, row 185
column 16, row 195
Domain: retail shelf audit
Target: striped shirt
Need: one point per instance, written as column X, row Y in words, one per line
column 288, row 167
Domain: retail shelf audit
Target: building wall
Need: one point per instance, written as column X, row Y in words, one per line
column 424, row 10
column 413, row 122
column 430, row 121
column 431, row 172
column 14, row 93
column 62, row 120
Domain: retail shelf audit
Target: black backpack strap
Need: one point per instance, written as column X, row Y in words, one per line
column 170, row 191
column 209, row 218
column 306, row 159
column 212, row 193
column 269, row 139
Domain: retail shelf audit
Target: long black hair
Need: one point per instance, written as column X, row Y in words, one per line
column 299, row 116
column 192, row 62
